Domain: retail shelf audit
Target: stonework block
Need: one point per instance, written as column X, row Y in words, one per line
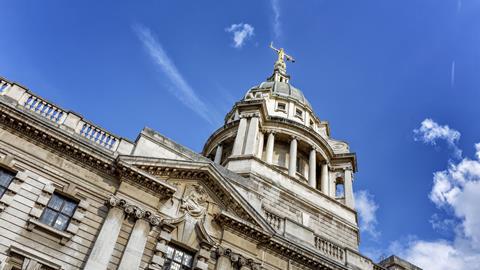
column 7, row 199
column 204, row 253
column 43, row 200
column 164, row 235
column 158, row 260
column 35, row 212
column 49, row 188
column 201, row 265
column 72, row 228
column 14, row 187
column 83, row 204
column 78, row 215
column 161, row 247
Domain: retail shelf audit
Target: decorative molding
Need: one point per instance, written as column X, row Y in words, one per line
column 133, row 210
column 241, row 226
column 236, row 259
column 134, row 175
column 206, row 179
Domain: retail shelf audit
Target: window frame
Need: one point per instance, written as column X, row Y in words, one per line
column 65, row 199
column 299, row 113
column 281, row 109
column 170, row 259
column 4, row 189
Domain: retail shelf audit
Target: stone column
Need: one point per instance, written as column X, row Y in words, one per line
column 218, row 154
column 132, row 256
column 106, row 239
column 270, row 145
column 324, row 181
column 312, row 165
column 292, row 165
column 251, row 143
column 260, row 145
column 223, row 259
column 348, row 189
column 240, row 138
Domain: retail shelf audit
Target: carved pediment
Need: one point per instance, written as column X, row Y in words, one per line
column 200, row 188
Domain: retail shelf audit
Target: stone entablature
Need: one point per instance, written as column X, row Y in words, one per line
column 197, row 204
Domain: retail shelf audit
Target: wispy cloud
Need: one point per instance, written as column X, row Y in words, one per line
column 452, row 74
column 241, row 33
column 430, row 132
column 277, row 25
column 367, row 209
column 180, row 87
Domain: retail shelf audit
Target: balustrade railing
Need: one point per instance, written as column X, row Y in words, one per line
column 97, row 135
column 329, row 249
column 275, row 221
column 67, row 120
column 4, row 85
column 43, row 108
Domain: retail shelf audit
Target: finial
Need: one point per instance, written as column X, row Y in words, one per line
column 280, row 67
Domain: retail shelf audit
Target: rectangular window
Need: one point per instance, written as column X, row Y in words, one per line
column 6, row 178
column 178, row 259
column 299, row 113
column 58, row 212
column 281, row 106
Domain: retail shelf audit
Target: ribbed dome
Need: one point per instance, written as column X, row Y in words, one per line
column 282, row 89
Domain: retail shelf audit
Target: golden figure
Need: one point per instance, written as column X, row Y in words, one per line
column 282, row 55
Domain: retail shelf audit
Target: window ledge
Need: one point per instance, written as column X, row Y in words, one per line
column 64, row 237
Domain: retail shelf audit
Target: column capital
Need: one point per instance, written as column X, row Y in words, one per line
column 293, row 137
column 133, row 210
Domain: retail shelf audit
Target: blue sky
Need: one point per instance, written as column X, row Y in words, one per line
column 374, row 69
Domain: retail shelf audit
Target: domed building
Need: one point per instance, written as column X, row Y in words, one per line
column 270, row 190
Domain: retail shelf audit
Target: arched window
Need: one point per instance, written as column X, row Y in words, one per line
column 339, row 188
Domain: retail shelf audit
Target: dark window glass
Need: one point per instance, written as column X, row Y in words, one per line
column 58, row 212
column 5, row 180
column 178, row 259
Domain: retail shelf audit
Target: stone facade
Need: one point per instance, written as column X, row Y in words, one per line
column 271, row 190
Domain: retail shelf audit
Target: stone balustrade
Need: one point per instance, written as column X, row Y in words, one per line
column 4, row 85
column 275, row 221
column 329, row 249
column 66, row 120
column 97, row 135
column 41, row 107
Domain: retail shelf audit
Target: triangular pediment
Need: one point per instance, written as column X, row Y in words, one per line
column 202, row 178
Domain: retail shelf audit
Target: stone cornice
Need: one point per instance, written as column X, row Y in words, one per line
column 278, row 245
column 52, row 137
column 242, row 226
column 237, row 259
column 136, row 176
column 300, row 254
column 34, row 130
column 204, row 172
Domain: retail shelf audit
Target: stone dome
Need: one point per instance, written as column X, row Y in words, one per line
column 282, row 89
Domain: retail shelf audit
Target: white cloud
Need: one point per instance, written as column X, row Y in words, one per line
column 430, row 132
column 367, row 208
column 181, row 89
column 241, row 33
column 438, row 255
column 456, row 191
column 277, row 30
